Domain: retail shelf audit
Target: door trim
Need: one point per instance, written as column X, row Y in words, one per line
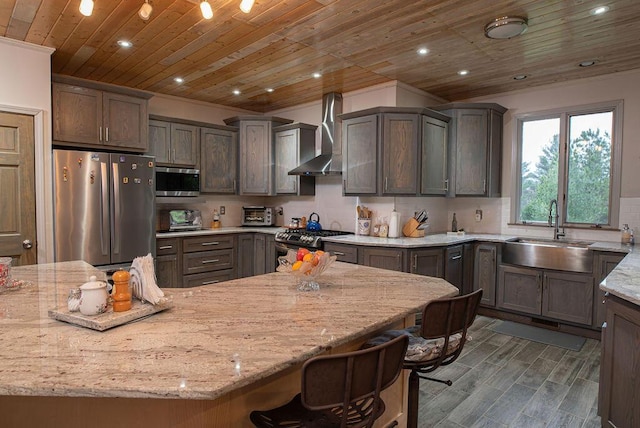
column 44, row 193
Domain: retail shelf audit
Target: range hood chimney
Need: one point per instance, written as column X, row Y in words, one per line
column 329, row 162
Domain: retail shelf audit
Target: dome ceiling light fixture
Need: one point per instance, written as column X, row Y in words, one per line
column 505, row 27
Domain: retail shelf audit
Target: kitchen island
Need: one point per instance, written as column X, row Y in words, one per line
column 221, row 351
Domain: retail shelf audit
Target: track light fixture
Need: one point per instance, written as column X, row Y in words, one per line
column 246, row 5
column 145, row 11
column 205, row 8
column 86, row 7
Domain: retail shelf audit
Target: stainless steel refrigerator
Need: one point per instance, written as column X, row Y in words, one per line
column 104, row 206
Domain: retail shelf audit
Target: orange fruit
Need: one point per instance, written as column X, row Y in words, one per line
column 319, row 253
column 296, row 265
column 316, row 259
column 307, row 257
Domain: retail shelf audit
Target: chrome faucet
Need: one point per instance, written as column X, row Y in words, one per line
column 556, row 231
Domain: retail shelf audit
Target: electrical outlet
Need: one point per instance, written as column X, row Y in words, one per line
column 222, row 209
column 478, row 215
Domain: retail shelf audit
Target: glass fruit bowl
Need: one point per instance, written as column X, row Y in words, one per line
column 306, row 266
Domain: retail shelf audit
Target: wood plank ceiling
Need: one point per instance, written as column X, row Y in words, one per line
column 353, row 43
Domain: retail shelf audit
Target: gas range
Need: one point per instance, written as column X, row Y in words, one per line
column 305, row 238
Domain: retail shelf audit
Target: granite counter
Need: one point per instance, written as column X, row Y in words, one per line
column 214, row 345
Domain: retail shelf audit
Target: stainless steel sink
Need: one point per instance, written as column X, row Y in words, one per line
column 564, row 255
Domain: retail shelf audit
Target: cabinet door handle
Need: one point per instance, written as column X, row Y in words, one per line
column 206, row 262
column 604, row 325
column 100, row 133
column 338, row 253
column 210, row 282
column 415, row 262
column 484, row 186
column 234, row 185
column 446, row 185
column 106, row 134
column 173, row 155
column 386, row 183
column 458, row 257
column 165, row 247
column 344, row 185
column 208, row 244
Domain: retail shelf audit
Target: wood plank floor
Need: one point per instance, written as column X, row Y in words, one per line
column 504, row 381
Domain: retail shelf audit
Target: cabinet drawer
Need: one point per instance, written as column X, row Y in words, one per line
column 206, row 243
column 207, row 261
column 345, row 253
column 208, row 278
column 166, row 246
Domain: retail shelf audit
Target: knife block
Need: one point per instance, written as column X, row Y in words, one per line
column 410, row 229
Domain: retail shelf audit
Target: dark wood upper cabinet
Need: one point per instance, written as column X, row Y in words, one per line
column 434, row 178
column 475, row 148
column 92, row 115
column 294, row 145
column 360, row 155
column 218, row 160
column 174, row 143
column 391, row 150
column 257, row 154
column 400, row 153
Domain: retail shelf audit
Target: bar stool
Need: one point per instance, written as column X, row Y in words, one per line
column 444, row 326
column 341, row 390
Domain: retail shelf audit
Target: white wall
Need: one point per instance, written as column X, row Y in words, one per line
column 181, row 108
column 618, row 86
column 25, row 87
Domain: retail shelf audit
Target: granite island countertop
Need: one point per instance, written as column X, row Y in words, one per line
column 216, row 338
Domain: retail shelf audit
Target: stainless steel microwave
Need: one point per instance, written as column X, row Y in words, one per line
column 177, row 181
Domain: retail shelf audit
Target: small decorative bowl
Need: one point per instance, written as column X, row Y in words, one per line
column 306, row 272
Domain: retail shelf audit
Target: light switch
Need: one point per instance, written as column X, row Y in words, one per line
column 478, row 215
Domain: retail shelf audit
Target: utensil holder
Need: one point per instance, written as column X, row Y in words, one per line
column 364, row 226
column 410, row 229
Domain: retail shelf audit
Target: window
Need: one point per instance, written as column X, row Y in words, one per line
column 571, row 156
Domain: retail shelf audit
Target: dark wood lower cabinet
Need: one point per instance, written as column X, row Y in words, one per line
column 429, row 262
column 620, row 365
column 604, row 263
column 562, row 296
column 568, row 297
column 485, row 275
column 519, row 289
column 384, row 258
column 167, row 271
column 453, row 260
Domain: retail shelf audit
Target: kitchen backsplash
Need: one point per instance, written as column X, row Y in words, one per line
column 338, row 212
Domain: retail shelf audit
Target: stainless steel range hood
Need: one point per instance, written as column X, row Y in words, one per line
column 329, row 162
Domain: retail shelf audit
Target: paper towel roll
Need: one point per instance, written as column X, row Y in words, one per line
column 394, row 225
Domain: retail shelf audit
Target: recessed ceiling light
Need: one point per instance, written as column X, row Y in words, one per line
column 269, row 89
column 316, row 75
column 588, row 63
column 178, row 80
column 236, row 92
column 124, row 43
column 520, row 77
column 423, row 51
column 599, row 10
column 505, row 27
column 463, row 72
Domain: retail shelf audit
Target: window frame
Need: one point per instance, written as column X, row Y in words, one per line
column 564, row 113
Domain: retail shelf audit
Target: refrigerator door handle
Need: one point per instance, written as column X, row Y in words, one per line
column 117, row 217
column 104, row 210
